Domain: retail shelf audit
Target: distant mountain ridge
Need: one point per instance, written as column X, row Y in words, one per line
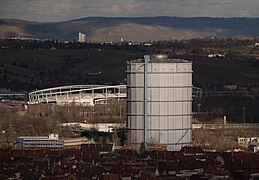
column 102, row 29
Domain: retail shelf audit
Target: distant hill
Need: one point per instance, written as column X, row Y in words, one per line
column 101, row 29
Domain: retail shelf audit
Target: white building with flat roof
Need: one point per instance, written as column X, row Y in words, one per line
column 39, row 142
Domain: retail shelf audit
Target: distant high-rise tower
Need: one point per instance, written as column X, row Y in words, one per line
column 81, row 37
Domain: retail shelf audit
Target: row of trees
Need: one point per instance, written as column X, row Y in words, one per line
column 47, row 119
column 214, row 140
column 44, row 119
column 136, row 46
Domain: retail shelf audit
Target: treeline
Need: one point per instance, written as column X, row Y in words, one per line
column 136, row 46
column 43, row 119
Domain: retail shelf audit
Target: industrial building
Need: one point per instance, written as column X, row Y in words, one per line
column 39, row 142
column 159, row 101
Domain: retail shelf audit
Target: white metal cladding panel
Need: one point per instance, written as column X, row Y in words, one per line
column 167, row 80
column 189, row 123
column 163, row 94
column 128, row 107
column 136, row 122
column 169, row 94
column 132, row 80
column 164, row 137
column 179, row 136
column 132, row 108
column 178, row 108
column 179, row 122
column 139, row 94
column 175, row 134
column 139, row 108
column 157, row 137
column 189, row 79
column 137, row 136
column 182, row 122
column 183, row 109
column 137, row 80
column 128, row 97
column 170, row 108
column 153, row 94
column 169, row 137
column 171, row 121
column 164, row 122
column 154, row 122
column 154, row 108
column 180, row 80
column 153, row 80
column 133, row 93
column 136, row 108
column 163, row 108
column 162, row 80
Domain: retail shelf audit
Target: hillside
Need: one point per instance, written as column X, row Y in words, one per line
column 100, row 29
column 29, row 69
column 23, row 69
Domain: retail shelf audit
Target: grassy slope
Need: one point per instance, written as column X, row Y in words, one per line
column 220, row 71
column 68, row 65
column 54, row 67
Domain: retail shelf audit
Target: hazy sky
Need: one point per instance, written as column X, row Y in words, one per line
column 60, row 10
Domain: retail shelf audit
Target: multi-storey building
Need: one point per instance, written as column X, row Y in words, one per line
column 39, row 142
